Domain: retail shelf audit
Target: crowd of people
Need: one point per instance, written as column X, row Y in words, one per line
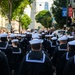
column 37, row 53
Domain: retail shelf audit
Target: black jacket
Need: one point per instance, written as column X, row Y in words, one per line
column 36, row 63
column 4, row 67
column 70, row 67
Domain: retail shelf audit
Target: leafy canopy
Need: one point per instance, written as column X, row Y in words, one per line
column 44, row 17
column 25, row 21
column 57, row 12
column 17, row 7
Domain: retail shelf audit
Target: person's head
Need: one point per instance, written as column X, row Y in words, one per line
column 36, row 44
column 11, row 37
column 3, row 37
column 70, row 38
column 63, row 40
column 18, row 36
column 15, row 42
column 71, row 45
column 50, row 36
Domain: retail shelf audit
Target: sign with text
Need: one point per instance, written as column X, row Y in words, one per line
column 64, row 12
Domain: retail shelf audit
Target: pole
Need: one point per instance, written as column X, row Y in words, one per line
column 9, row 15
column 67, row 14
column 19, row 24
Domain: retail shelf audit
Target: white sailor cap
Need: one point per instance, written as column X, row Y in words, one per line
column 39, row 34
column 18, row 34
column 42, row 33
column 15, row 40
column 71, row 42
column 36, row 41
column 15, row 35
column 35, row 36
column 54, row 38
column 3, row 35
column 23, row 35
column 63, row 38
column 11, row 35
column 46, row 35
column 70, row 37
column 28, row 32
column 49, row 35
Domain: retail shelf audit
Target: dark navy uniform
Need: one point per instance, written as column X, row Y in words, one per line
column 71, row 62
column 4, row 67
column 53, row 46
column 56, row 60
column 66, row 56
column 4, row 43
column 36, row 63
column 70, row 67
column 15, row 58
column 4, row 47
column 9, row 43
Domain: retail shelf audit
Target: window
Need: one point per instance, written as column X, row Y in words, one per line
column 46, row 6
column 40, row 4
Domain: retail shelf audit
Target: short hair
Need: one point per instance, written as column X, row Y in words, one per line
column 16, row 43
column 36, row 46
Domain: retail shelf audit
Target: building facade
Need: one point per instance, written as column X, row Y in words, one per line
column 37, row 6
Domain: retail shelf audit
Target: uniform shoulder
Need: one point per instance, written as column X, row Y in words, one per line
column 47, row 59
column 2, row 54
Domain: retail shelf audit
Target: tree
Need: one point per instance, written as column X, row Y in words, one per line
column 57, row 11
column 16, row 6
column 25, row 21
column 44, row 17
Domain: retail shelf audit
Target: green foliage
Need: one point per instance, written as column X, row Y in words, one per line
column 17, row 7
column 20, row 9
column 4, row 7
column 25, row 21
column 44, row 17
column 57, row 12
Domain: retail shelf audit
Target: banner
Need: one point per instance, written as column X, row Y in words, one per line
column 70, row 11
column 64, row 12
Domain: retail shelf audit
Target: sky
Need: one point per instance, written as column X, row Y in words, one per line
column 28, row 10
column 51, row 2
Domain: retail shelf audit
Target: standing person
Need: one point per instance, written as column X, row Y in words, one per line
column 4, row 43
column 36, row 62
column 54, row 44
column 70, row 66
column 15, row 57
column 59, row 51
column 4, row 66
column 71, row 52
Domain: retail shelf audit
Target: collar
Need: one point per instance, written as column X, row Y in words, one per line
column 61, row 49
column 35, row 61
